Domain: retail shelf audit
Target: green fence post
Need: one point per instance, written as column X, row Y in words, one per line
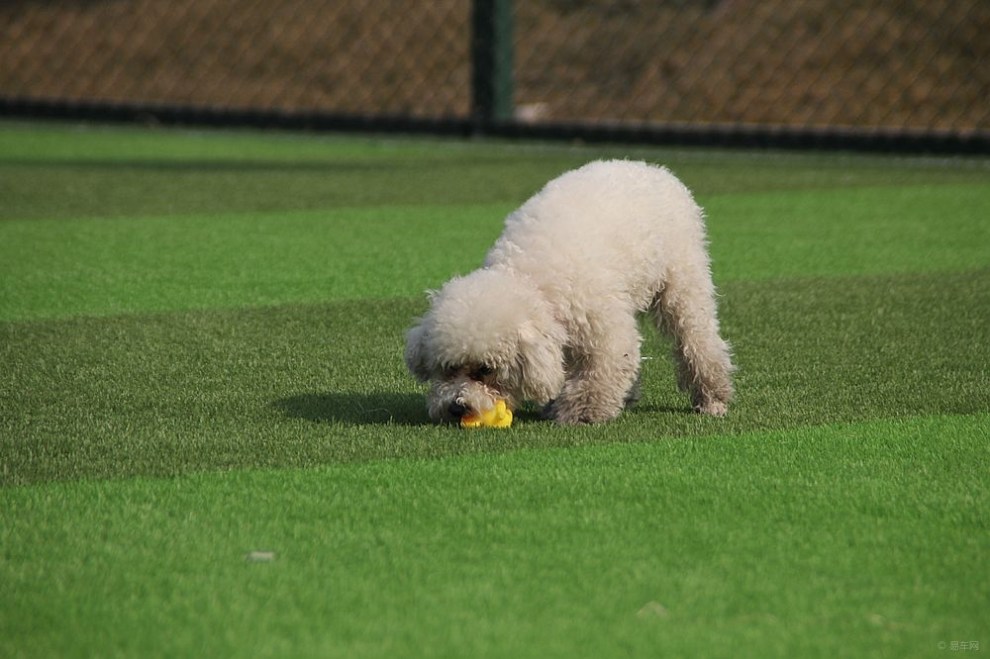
column 491, row 62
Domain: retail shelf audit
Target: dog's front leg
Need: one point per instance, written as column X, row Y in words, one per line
column 601, row 376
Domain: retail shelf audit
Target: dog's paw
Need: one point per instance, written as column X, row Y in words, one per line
column 576, row 415
column 712, row 408
column 563, row 415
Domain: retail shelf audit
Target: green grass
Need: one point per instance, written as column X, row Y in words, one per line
column 529, row 553
column 200, row 342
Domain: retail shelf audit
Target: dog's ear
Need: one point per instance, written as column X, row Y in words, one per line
column 541, row 363
column 416, row 355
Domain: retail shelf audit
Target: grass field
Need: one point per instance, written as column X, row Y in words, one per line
column 209, row 445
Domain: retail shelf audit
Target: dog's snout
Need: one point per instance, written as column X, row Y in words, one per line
column 457, row 410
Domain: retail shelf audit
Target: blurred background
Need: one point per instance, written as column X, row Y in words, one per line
column 846, row 72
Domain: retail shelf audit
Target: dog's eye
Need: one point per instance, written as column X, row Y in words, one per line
column 482, row 372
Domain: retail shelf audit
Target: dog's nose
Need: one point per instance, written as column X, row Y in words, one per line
column 457, row 410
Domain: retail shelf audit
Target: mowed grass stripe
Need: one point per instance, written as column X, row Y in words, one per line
column 57, row 269
column 858, row 231
column 49, row 171
column 308, row 385
column 851, row 540
column 51, row 269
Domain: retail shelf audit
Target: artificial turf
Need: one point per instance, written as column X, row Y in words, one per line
column 200, row 340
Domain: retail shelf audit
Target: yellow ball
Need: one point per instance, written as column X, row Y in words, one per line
column 498, row 417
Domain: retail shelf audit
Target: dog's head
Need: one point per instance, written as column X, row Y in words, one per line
column 487, row 336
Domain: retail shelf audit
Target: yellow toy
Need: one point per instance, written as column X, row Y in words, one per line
column 498, row 417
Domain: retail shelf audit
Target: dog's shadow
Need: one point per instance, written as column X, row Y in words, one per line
column 356, row 408
column 404, row 409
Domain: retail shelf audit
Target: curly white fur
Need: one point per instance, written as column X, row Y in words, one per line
column 551, row 316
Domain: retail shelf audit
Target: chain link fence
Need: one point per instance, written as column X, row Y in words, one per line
column 636, row 67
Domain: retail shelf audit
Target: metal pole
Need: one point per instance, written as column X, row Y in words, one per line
column 491, row 62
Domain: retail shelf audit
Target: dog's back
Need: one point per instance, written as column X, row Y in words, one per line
column 608, row 228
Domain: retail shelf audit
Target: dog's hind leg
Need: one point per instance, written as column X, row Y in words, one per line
column 685, row 309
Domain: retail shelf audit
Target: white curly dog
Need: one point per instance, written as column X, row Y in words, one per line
column 551, row 316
